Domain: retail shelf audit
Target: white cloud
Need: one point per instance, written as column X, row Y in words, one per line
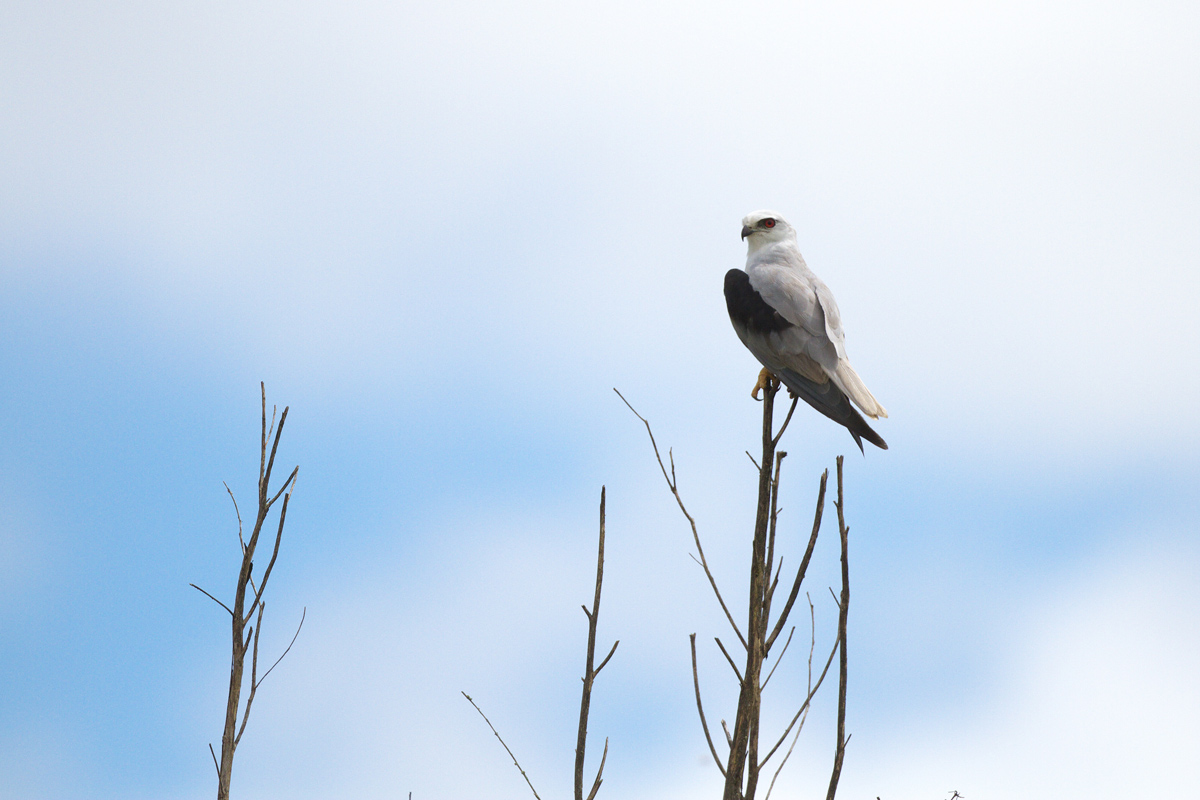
column 1097, row 697
column 1001, row 195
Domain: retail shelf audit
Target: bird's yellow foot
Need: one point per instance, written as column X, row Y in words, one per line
column 765, row 381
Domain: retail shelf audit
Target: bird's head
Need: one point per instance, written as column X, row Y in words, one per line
column 765, row 227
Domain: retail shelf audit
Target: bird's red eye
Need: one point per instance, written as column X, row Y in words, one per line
column 768, row 223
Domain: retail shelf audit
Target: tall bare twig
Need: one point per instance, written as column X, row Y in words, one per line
column 742, row 764
column 246, row 637
column 803, row 569
column 589, row 674
column 843, row 612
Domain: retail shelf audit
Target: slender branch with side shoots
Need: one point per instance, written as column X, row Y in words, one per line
column 590, row 672
column 245, row 636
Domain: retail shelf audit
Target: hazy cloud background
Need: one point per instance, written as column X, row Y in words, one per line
column 442, row 233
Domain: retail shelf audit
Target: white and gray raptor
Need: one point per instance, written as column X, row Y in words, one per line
column 789, row 320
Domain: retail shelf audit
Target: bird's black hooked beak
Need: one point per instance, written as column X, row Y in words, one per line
column 746, row 231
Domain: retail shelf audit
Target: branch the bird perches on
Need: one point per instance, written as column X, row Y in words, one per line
column 742, row 767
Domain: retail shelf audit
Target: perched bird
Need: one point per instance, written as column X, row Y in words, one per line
column 789, row 320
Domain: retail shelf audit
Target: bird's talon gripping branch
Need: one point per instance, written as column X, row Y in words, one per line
column 765, row 381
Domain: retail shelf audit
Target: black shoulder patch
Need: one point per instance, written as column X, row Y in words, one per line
column 747, row 307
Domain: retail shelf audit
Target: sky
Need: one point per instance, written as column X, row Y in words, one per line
column 441, row 234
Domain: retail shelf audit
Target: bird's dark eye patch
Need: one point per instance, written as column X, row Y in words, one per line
column 767, row 223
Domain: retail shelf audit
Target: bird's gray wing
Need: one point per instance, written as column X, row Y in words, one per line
column 807, row 303
column 772, row 340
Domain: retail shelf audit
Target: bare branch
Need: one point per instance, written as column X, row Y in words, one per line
column 214, row 755
column 253, row 677
column 246, row 637
column 590, row 673
column 812, row 542
column 743, row 755
column 796, row 737
column 266, row 479
column 787, row 755
column 775, row 581
column 844, row 608
column 606, row 658
column 728, row 735
column 774, row 518
column 752, row 461
column 210, row 597
column 673, row 486
column 812, row 645
column 290, row 480
column 807, row 701
column 600, row 772
column 510, row 752
column 278, row 538
column 262, row 450
column 238, row 513
column 780, row 658
column 303, row 614
column 786, row 420
column 730, row 660
column 700, row 706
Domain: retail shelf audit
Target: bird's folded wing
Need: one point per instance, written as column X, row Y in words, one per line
column 833, row 317
column 800, row 303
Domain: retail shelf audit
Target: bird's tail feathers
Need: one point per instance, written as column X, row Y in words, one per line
column 849, row 382
column 833, row 403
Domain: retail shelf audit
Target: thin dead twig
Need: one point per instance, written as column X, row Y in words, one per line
column 210, row 597
column 786, row 420
column 812, row 542
column 303, row 614
column 673, row 485
column 775, row 580
column 780, row 657
column 774, row 519
column 599, row 772
column 700, row 707
column 510, row 752
column 725, row 653
column 807, row 701
column 606, row 658
column 278, row 535
column 796, row 737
